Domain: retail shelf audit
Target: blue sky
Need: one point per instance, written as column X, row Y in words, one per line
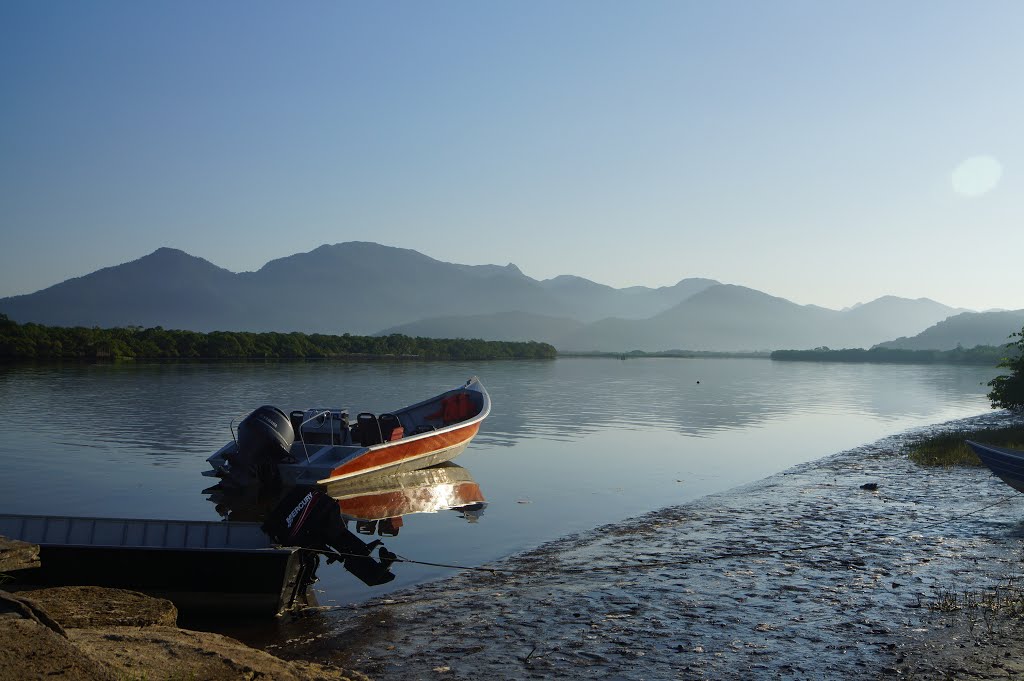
column 828, row 153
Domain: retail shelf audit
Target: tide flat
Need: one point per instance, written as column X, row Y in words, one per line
column 801, row 575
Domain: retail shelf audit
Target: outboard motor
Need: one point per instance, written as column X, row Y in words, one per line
column 267, row 433
column 309, row 518
column 264, row 439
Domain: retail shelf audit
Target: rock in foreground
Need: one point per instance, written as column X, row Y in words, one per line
column 17, row 555
column 98, row 634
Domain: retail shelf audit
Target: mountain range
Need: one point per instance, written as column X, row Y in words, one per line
column 366, row 288
column 967, row 329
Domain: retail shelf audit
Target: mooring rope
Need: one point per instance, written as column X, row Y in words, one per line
column 645, row 565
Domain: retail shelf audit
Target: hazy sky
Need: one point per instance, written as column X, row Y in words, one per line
column 825, row 152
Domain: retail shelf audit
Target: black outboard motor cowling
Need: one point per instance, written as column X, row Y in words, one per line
column 264, row 439
column 266, row 434
column 310, row 518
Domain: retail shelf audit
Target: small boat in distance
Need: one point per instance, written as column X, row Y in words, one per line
column 1007, row 464
column 321, row 446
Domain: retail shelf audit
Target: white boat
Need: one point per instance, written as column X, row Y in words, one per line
column 321, row 446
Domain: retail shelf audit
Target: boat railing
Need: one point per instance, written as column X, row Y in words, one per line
column 320, row 416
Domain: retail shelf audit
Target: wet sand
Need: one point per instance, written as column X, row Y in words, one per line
column 804, row 575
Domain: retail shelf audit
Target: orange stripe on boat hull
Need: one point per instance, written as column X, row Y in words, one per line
column 405, row 450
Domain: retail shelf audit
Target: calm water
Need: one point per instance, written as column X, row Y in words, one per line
column 570, row 444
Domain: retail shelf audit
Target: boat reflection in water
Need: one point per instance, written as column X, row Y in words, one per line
column 380, row 503
column 322, row 519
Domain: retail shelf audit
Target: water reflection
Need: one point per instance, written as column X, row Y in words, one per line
column 704, row 397
column 446, row 486
column 323, row 519
column 167, row 411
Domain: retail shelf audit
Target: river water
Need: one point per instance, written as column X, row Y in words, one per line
column 571, row 443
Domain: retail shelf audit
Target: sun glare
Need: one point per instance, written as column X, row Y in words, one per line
column 976, row 176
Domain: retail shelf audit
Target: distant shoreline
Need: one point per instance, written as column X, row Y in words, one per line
column 979, row 356
column 38, row 342
column 32, row 342
column 990, row 355
column 672, row 354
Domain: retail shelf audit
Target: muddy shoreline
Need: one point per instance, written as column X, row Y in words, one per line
column 802, row 575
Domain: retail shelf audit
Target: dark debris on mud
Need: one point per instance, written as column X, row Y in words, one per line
column 804, row 575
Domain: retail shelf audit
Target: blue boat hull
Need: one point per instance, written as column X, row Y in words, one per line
column 1006, row 464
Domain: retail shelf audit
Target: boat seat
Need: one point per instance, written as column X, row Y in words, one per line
column 373, row 430
column 390, row 427
column 369, row 429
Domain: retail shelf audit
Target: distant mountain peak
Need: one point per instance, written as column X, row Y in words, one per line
column 565, row 278
column 164, row 258
column 166, row 253
column 327, row 257
column 735, row 292
column 901, row 299
column 695, row 281
column 362, row 247
column 897, row 305
column 565, row 281
column 168, row 250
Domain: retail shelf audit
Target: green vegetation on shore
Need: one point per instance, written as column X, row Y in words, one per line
column 982, row 354
column 38, row 342
column 949, row 449
column 1008, row 390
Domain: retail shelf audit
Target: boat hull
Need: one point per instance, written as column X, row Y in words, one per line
column 405, row 455
column 199, row 566
column 1006, row 464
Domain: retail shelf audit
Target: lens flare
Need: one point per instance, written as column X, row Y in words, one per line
column 976, row 176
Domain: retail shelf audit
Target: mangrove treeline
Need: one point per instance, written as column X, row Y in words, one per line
column 38, row 342
column 989, row 355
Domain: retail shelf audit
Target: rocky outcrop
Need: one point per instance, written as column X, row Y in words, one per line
column 98, row 634
column 31, row 651
column 92, row 607
column 17, row 555
column 152, row 652
column 36, row 647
